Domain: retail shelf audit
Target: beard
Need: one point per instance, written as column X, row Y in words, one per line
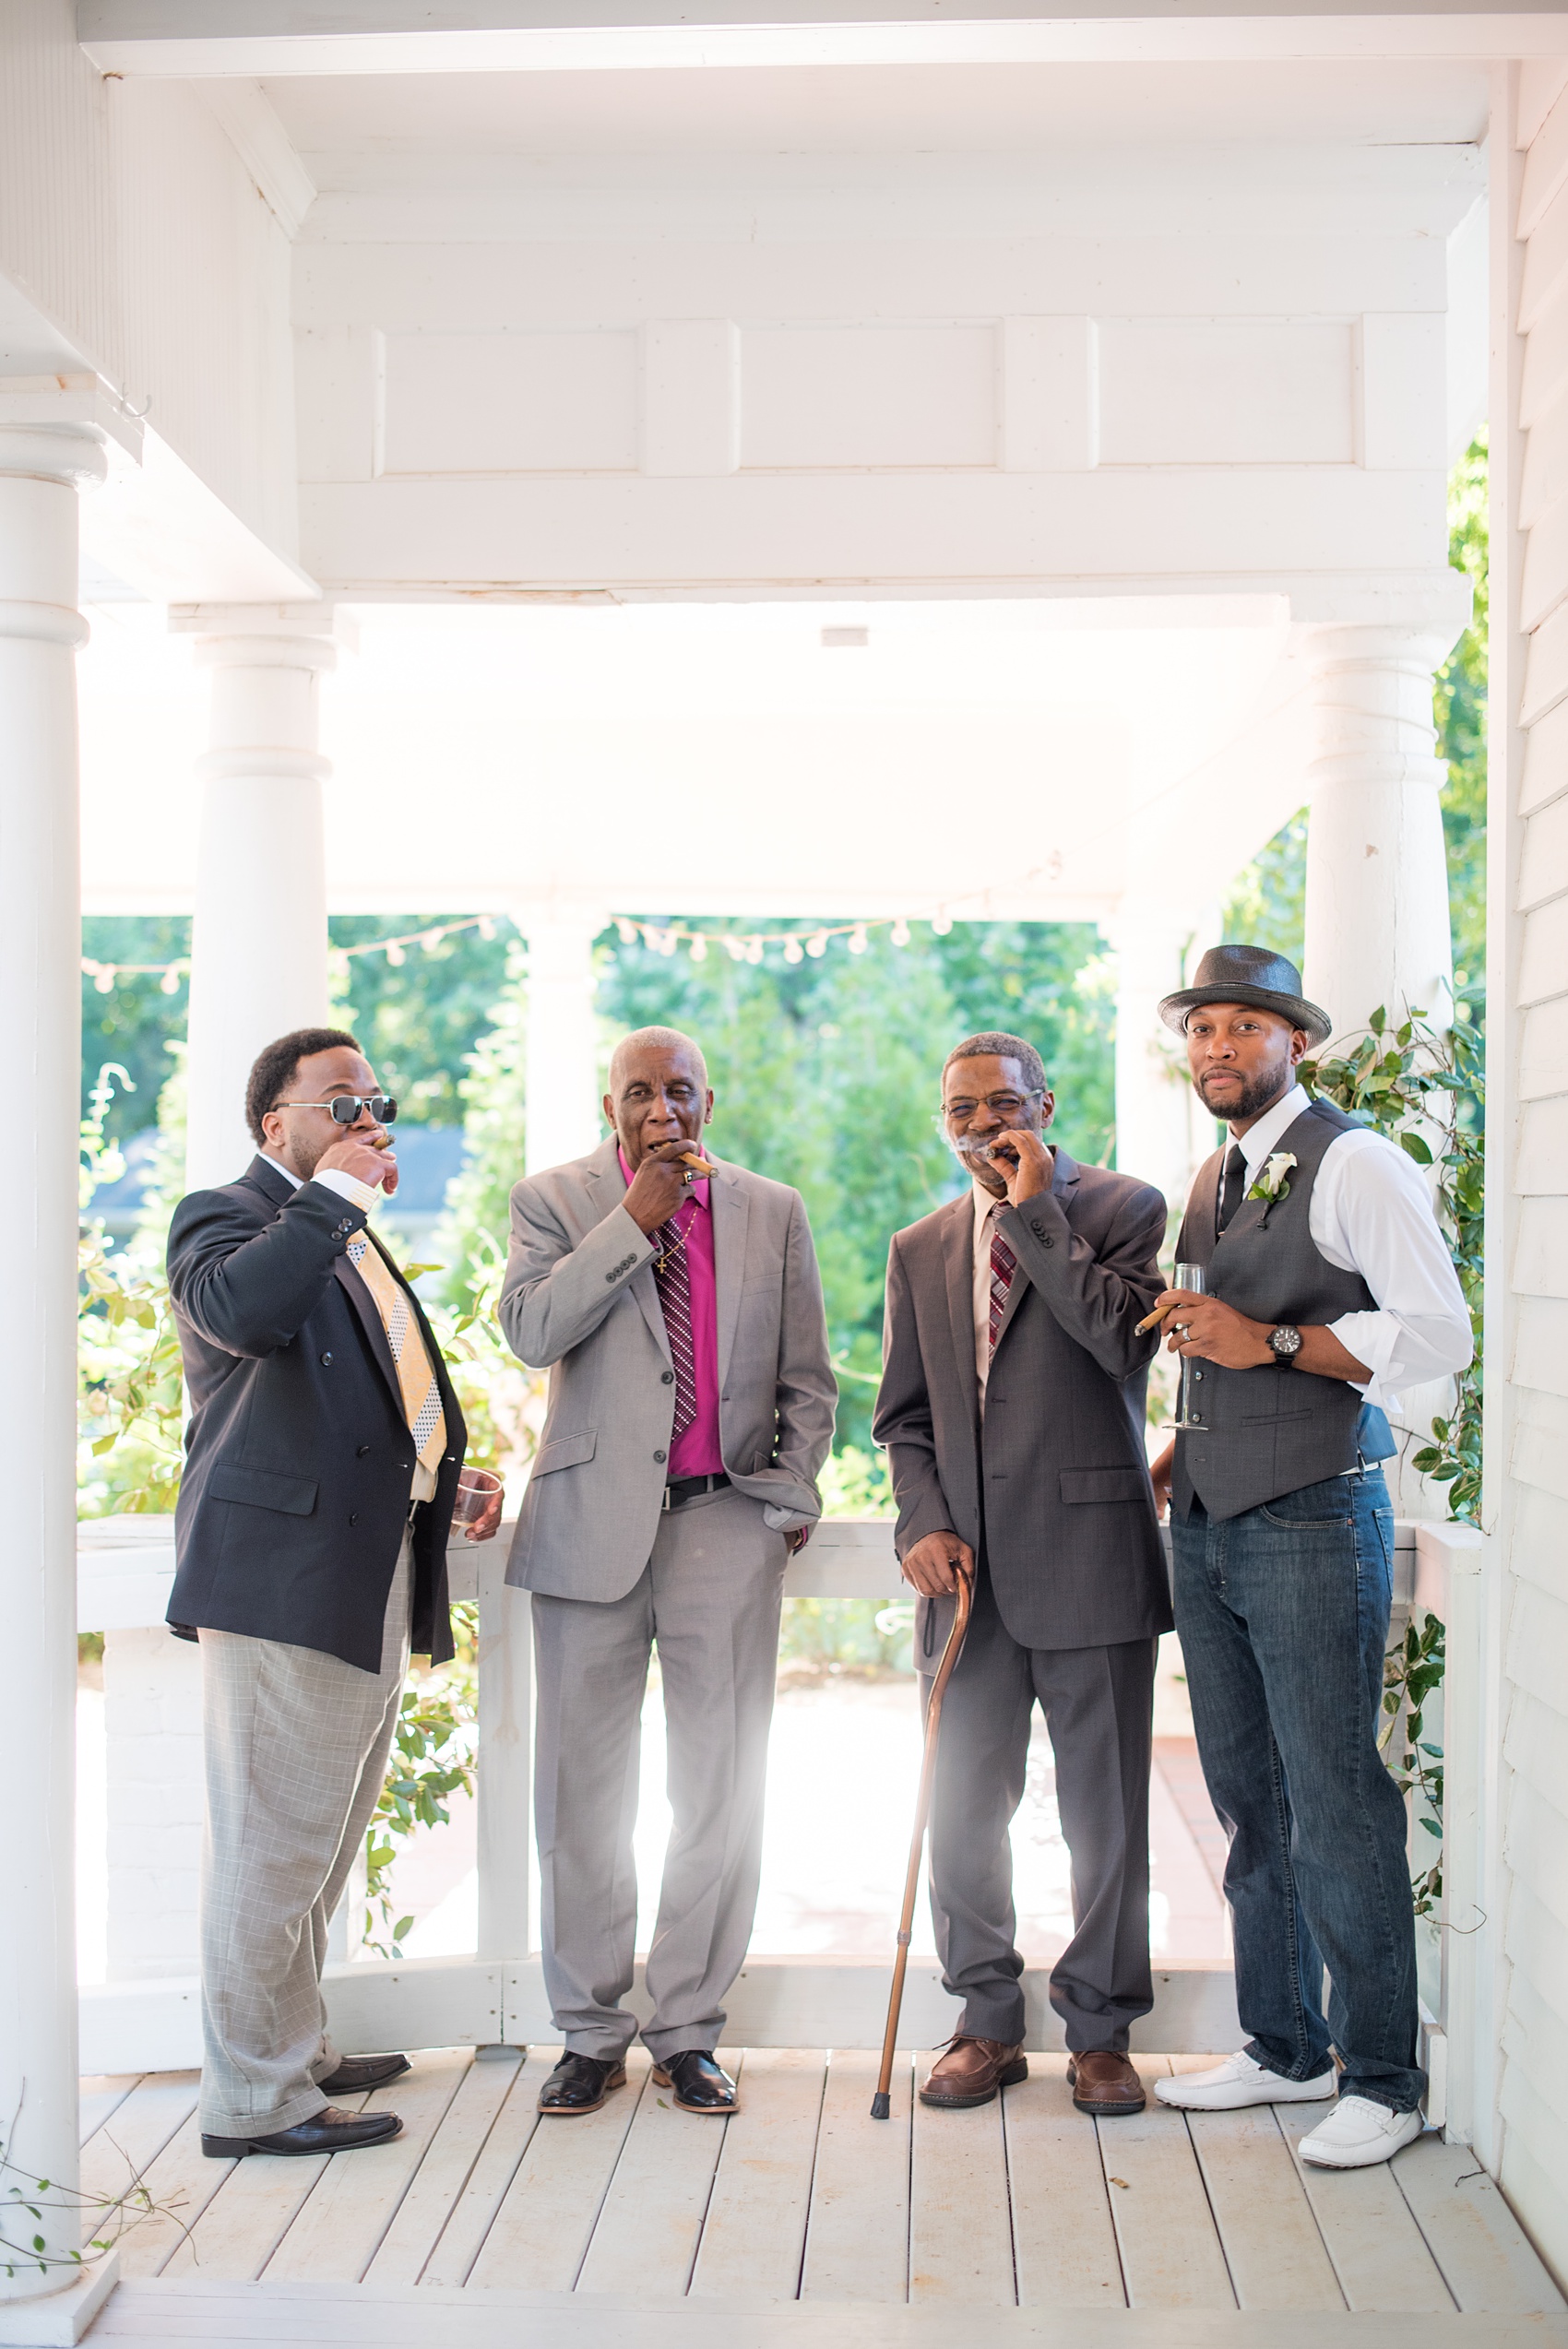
column 1258, row 1094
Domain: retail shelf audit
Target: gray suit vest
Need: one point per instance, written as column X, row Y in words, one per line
column 1271, row 1431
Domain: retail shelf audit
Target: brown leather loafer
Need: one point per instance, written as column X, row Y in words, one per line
column 1104, row 2084
column 971, row 2072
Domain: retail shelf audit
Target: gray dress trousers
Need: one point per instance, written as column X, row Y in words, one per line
column 296, row 1745
column 709, row 1598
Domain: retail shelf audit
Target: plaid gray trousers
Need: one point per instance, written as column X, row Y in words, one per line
column 296, row 1748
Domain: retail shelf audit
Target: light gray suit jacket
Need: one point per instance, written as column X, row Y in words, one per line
column 580, row 1298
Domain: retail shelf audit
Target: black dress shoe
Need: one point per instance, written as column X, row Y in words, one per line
column 358, row 2074
column 328, row 2132
column 701, row 2085
column 580, row 2083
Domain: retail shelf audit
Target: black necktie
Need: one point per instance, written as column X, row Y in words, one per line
column 1235, row 1174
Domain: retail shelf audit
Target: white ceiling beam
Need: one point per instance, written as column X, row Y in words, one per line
column 266, row 38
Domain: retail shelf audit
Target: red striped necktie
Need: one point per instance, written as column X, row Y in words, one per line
column 1004, row 1263
column 674, row 1281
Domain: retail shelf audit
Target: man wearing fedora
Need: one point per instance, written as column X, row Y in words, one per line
column 1327, row 1289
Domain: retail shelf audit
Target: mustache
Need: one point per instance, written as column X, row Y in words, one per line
column 971, row 1147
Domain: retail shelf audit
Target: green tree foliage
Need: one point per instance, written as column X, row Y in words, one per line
column 133, row 1024
column 417, row 1018
column 828, row 1077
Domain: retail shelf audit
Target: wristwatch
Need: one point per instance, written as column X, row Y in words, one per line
column 1286, row 1344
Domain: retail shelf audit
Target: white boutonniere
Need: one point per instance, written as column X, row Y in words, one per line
column 1270, row 1182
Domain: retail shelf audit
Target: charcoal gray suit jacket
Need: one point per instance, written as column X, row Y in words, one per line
column 1055, row 1486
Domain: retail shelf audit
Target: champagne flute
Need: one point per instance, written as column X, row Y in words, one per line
column 1187, row 1276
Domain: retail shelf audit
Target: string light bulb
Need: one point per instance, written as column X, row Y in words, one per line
column 858, row 940
column 699, row 950
column 104, row 982
column 431, row 939
column 816, row 944
column 485, row 926
column 170, row 982
column 670, row 941
column 900, row 933
column 628, row 930
column 941, row 923
column 395, row 955
column 793, row 951
column 754, row 950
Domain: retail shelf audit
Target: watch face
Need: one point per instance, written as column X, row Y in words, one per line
column 1286, row 1343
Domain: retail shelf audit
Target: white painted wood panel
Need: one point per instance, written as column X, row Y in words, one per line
column 857, row 2239
column 1272, row 2245
column 1403, row 365
column 1470, row 2232
column 691, row 395
column 341, row 2228
column 960, row 2217
column 1063, row 2240
column 822, row 399
column 1543, row 871
column 1050, row 394
column 1543, row 1053
column 1546, row 750
column 1545, row 667
column 181, row 2181
column 1540, row 1261
column 1171, row 2257
column 1544, row 1147
column 461, row 2137
column 1210, row 392
column 754, row 2238
column 474, row 2210
column 516, row 403
column 541, row 2232
column 1378, row 2252
column 650, row 2222
column 1541, row 1345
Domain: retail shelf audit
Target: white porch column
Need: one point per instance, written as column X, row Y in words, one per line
column 1377, row 879
column 563, row 1116
column 1157, row 1135
column 258, row 943
column 41, row 470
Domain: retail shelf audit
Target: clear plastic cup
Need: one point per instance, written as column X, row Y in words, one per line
column 476, row 1488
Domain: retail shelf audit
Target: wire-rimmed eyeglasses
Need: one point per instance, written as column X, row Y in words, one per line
column 346, row 1107
column 1008, row 1107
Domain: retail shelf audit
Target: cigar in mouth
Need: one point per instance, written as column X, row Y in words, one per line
column 695, row 1159
column 383, row 1143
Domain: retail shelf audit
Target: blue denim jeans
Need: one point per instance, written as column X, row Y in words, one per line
column 1283, row 1617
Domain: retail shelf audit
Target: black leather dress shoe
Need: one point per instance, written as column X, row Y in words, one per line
column 356, row 2075
column 701, row 2085
column 580, row 2083
column 328, row 2132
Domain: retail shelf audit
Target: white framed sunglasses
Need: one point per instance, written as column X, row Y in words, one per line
column 346, row 1107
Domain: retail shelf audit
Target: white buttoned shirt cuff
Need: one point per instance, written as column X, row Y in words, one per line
column 1372, row 1214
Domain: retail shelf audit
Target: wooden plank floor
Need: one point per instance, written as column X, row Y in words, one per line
column 1024, row 2204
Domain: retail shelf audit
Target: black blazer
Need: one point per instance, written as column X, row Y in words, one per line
column 298, row 1456
column 1056, row 1486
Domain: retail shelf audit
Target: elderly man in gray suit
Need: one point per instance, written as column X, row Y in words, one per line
column 1012, row 1406
column 677, row 1306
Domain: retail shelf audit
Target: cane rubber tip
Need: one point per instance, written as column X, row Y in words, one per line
column 882, row 2108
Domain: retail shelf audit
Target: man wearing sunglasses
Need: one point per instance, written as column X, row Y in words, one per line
column 322, row 1461
column 1012, row 1406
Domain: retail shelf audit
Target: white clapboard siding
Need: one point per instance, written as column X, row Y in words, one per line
column 1533, row 1034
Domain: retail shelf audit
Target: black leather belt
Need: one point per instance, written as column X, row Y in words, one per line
column 687, row 1488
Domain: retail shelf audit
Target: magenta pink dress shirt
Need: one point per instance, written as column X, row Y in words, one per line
column 696, row 1454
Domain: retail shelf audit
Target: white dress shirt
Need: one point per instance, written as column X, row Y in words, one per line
column 359, row 1194
column 1371, row 1214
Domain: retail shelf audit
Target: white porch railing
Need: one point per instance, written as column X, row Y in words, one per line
column 146, row 2016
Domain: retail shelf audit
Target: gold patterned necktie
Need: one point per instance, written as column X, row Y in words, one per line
column 416, row 1379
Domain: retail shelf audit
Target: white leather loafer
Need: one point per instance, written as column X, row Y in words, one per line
column 1236, row 2082
column 1357, row 2134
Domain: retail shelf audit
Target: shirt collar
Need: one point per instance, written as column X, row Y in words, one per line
column 287, row 1172
column 985, row 1202
column 696, row 1195
column 1260, row 1139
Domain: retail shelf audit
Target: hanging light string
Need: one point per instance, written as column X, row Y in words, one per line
column 667, row 938
column 106, row 976
column 659, row 937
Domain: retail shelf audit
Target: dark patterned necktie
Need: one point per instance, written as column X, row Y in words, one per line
column 1231, row 1197
column 1004, row 1263
column 673, row 1280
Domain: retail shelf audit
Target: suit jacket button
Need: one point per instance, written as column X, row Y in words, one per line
column 327, row 1361
column 667, row 1378
column 353, row 1517
column 1039, row 1230
column 361, row 1453
column 660, row 1457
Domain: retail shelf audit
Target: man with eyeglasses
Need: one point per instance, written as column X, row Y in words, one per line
column 1012, row 1407
column 322, row 1460
column 675, row 1299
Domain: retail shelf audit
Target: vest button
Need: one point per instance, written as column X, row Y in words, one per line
column 667, row 1378
column 660, row 1457
column 1197, row 1374
column 327, row 1361
column 353, row 1517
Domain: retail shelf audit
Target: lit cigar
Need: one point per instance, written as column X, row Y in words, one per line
column 381, row 1142
column 1152, row 1320
column 695, row 1159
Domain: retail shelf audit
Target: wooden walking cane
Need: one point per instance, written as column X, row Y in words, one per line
column 881, row 2104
